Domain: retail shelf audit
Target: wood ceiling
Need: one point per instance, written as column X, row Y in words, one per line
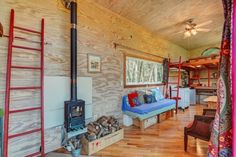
column 166, row 17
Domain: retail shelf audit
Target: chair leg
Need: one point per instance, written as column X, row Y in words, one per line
column 177, row 106
column 185, row 141
column 158, row 118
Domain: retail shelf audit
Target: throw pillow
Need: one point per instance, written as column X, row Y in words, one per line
column 154, row 99
column 149, row 98
column 148, row 92
column 157, row 93
column 136, row 101
column 141, row 97
column 131, row 97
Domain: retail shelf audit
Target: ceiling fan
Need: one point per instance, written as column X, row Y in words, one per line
column 191, row 28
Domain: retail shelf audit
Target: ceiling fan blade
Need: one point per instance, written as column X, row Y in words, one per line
column 179, row 32
column 203, row 30
column 204, row 23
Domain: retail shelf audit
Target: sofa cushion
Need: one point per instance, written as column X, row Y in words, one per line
column 127, row 101
column 136, row 101
column 157, row 93
column 146, row 108
column 149, row 98
column 133, row 99
column 141, row 97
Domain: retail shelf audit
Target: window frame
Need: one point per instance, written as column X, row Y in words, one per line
column 138, row 85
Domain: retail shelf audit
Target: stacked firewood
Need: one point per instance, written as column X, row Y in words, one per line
column 103, row 126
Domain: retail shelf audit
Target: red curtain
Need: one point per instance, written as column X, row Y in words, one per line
column 220, row 144
column 234, row 77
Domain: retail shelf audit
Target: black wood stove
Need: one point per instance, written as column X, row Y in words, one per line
column 74, row 108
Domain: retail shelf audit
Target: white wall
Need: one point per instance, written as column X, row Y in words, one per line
column 57, row 90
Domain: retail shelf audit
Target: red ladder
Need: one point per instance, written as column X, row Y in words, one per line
column 11, row 45
column 169, row 89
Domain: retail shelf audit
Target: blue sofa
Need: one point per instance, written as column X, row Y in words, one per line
column 146, row 111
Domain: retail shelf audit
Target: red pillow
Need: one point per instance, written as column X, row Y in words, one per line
column 131, row 97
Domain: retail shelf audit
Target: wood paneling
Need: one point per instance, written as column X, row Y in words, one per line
column 30, row 144
column 198, row 51
column 98, row 28
column 167, row 17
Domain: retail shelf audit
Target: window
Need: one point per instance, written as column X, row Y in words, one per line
column 141, row 72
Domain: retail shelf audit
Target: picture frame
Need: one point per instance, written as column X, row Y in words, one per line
column 94, row 63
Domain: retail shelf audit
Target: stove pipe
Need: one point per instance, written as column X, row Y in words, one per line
column 73, row 49
column 74, row 109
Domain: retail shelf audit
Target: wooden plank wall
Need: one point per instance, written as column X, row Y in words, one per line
column 198, row 51
column 97, row 29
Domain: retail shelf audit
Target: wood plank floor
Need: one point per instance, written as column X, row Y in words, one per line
column 161, row 140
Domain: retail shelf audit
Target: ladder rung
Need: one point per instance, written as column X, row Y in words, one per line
column 26, row 109
column 26, row 29
column 24, row 133
column 34, row 154
column 176, row 98
column 173, row 76
column 25, row 88
column 25, row 67
column 24, row 47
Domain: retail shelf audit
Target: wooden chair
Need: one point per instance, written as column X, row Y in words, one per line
column 201, row 126
column 209, row 112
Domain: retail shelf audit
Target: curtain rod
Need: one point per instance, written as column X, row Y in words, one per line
column 127, row 47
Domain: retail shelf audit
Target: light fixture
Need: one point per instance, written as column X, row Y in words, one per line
column 194, row 31
column 190, row 32
column 187, row 33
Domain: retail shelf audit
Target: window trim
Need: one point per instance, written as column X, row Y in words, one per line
column 138, row 85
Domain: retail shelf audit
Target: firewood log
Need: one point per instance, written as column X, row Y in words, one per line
column 103, row 126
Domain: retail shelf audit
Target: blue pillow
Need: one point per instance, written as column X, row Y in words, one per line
column 136, row 101
column 149, row 99
column 157, row 94
column 140, row 97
